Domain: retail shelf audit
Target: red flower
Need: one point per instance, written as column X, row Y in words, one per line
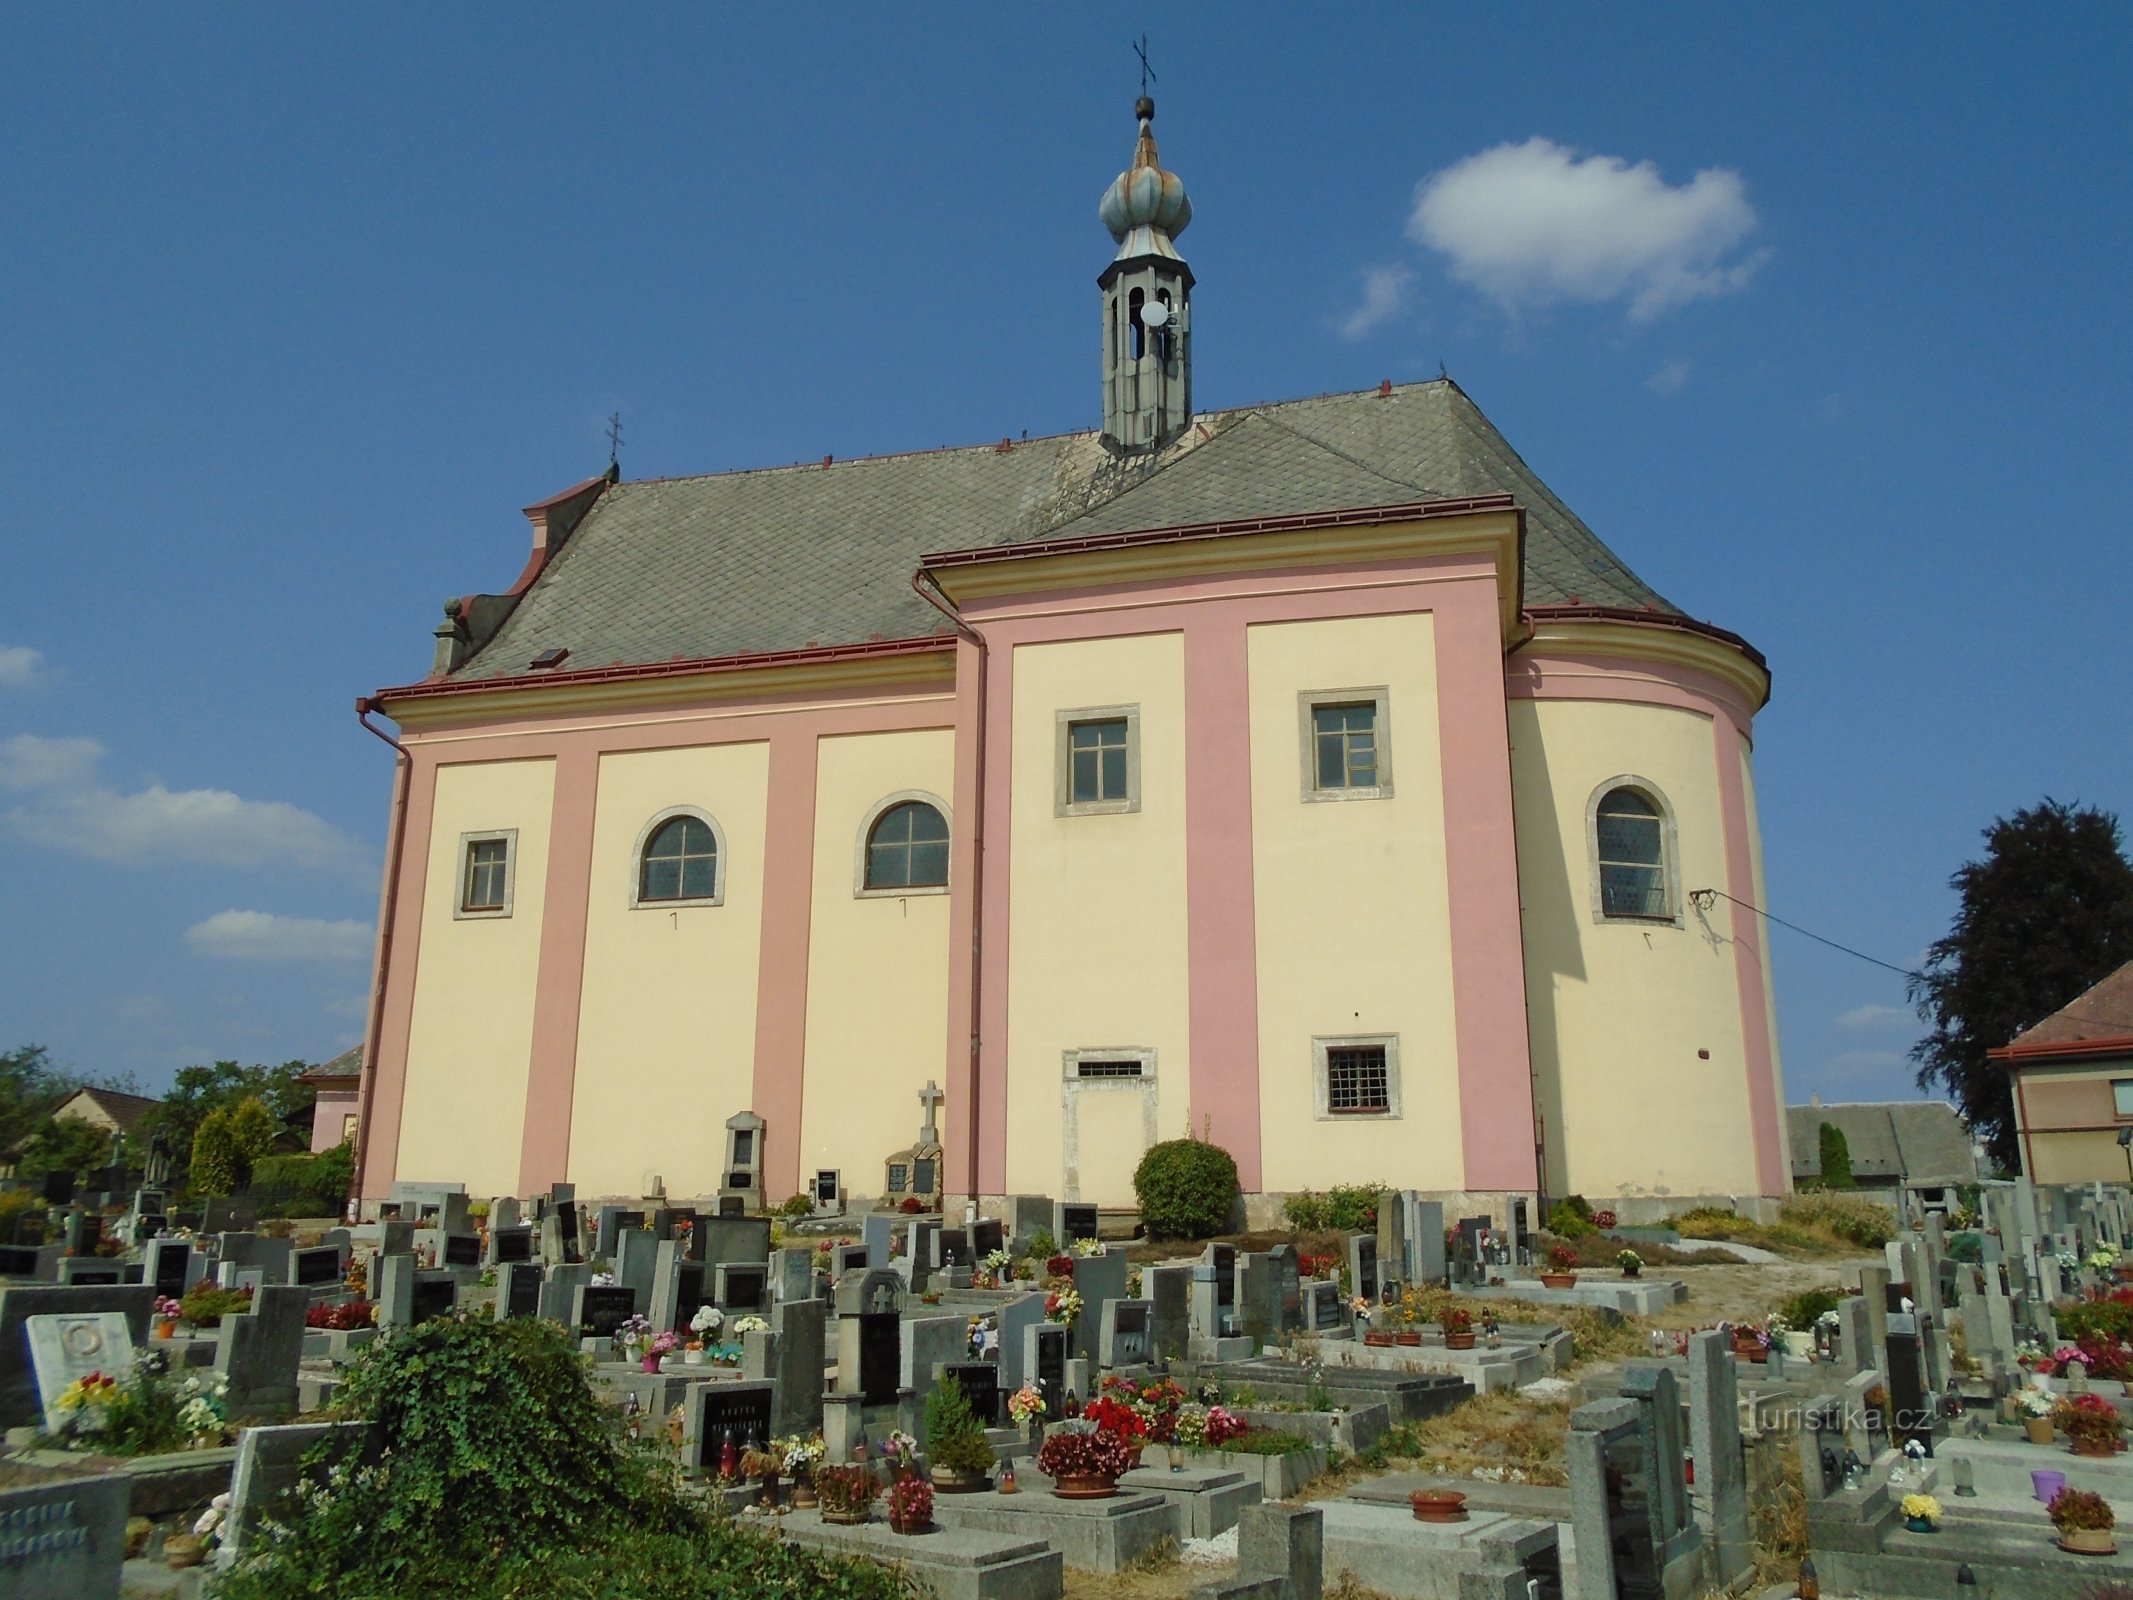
column 1113, row 1418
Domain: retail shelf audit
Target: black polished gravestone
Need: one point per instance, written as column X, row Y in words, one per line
column 1076, row 1222
column 566, row 1222
column 881, row 1357
column 462, row 1250
column 433, row 1297
column 987, row 1234
column 92, row 1234
column 58, row 1188
column 1326, row 1311
column 1909, row 1417
column 173, row 1263
column 315, row 1269
column 740, row 1411
column 742, row 1286
column 512, row 1244
column 83, row 1277
column 21, row 1262
column 980, row 1383
column 953, row 1247
column 1363, row 1266
column 525, row 1293
column 1049, row 1369
column 603, row 1309
column 1224, row 1259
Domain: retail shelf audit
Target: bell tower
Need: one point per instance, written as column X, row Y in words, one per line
column 1147, row 303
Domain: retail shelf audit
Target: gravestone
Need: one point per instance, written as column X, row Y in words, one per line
column 1392, row 1234
column 1075, row 1220
column 507, row 1245
column 271, row 1463
column 1425, row 1242
column 879, row 1346
column 20, row 1261
column 599, row 1310
column 257, row 1353
column 434, row 1295
column 636, row 1259
column 1363, row 1265
column 1099, row 1278
column 1018, row 1315
column 742, row 1287
column 827, row 1191
column 393, row 1288
column 800, row 1326
column 1028, row 1215
column 1258, row 1308
column 608, row 1225
column 867, row 1291
column 1324, row 1315
column 927, row 1343
column 877, row 1231
column 568, row 1232
column 1044, row 1364
column 318, row 1268
column 65, row 1540
column 980, row 1383
column 518, row 1289
column 741, row 1180
column 952, row 1248
column 986, row 1236
column 714, row 1412
column 1720, row 1493
column 559, row 1291
column 1617, row 1559
column 1123, row 1340
column 92, row 1269
column 851, row 1258
column 1287, row 1290
column 1905, row 1370
column 66, row 1348
column 1223, row 1258
column 1855, row 1335
column 793, row 1274
column 460, row 1250
column 736, row 1239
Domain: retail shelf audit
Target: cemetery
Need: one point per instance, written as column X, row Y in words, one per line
column 1034, row 1403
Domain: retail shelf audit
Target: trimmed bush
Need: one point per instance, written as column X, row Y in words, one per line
column 1836, row 1158
column 955, row 1438
column 1565, row 1221
column 1186, row 1189
column 304, row 1186
column 1345, row 1208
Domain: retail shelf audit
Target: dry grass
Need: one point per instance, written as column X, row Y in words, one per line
column 1171, row 1581
column 1348, row 1587
column 1507, row 1432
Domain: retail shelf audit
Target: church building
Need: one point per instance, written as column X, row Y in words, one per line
column 1305, row 777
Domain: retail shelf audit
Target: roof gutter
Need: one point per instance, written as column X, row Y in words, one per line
column 924, row 586
column 388, row 908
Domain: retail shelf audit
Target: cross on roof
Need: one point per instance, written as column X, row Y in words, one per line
column 930, row 1097
column 1140, row 48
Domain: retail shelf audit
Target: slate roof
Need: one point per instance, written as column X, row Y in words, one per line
column 784, row 557
column 2100, row 1014
column 1912, row 1142
column 348, row 1064
column 123, row 1109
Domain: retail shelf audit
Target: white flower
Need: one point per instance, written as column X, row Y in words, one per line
column 708, row 1319
column 751, row 1325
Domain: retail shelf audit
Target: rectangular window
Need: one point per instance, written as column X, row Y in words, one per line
column 1107, row 1069
column 348, row 1128
column 1357, row 1076
column 1099, row 761
column 486, row 868
column 1347, row 743
column 2122, row 1096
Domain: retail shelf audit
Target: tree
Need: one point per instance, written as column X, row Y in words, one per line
column 252, row 1130
column 64, row 1144
column 2045, row 914
column 29, row 1089
column 1836, row 1160
column 197, row 1091
column 214, row 1158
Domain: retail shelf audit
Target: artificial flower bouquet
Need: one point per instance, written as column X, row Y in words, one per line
column 1921, row 1508
column 707, row 1321
column 1026, row 1404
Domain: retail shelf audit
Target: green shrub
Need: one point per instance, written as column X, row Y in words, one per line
column 1967, row 1248
column 1187, row 1189
column 505, row 1477
column 304, row 1186
column 1577, row 1203
column 2086, row 1321
column 955, row 1438
column 1836, row 1158
column 1345, row 1208
column 1042, row 1246
column 1803, row 1310
column 1565, row 1222
column 214, row 1166
column 800, row 1205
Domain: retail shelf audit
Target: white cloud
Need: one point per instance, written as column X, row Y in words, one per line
column 20, row 666
column 263, row 936
column 1534, row 223
column 68, row 805
column 1669, row 378
column 1865, row 1060
column 1863, row 1019
column 1384, row 297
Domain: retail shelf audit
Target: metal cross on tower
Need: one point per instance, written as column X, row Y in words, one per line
column 1140, row 48
column 614, row 440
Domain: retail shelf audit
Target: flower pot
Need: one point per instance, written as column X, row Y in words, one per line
column 1438, row 1505
column 958, row 1480
column 2095, row 1447
column 166, row 1327
column 692, row 1358
column 2045, row 1484
column 2088, row 1542
column 1381, row 1338
column 908, row 1526
column 803, row 1493
column 1920, row 1524
column 1410, row 1336
column 1459, row 1341
column 1084, row 1486
column 184, row 1550
column 2040, row 1429
column 844, row 1519
column 650, row 1363
column 1558, row 1280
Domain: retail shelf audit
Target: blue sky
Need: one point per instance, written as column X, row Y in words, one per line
column 1817, row 314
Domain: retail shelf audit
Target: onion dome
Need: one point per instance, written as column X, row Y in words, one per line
column 1144, row 196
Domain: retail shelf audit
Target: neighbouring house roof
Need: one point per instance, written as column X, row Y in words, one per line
column 1916, row 1142
column 123, row 1109
column 785, row 557
column 348, row 1064
column 2098, row 1021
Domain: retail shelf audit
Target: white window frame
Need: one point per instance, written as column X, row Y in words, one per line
column 1669, row 853
column 2119, row 1106
column 461, row 911
column 880, row 808
column 1072, row 1086
column 717, row 896
column 1377, row 696
column 1321, row 1082
column 1063, row 802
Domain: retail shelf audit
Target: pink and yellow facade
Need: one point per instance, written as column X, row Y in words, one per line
column 1313, row 782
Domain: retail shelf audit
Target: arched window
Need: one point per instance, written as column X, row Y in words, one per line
column 907, row 848
column 679, row 861
column 1630, row 850
column 1134, row 302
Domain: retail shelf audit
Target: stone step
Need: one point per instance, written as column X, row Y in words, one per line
column 1091, row 1535
column 954, row 1563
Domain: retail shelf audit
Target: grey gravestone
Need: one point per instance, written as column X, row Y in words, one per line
column 1027, row 1215
column 877, row 1230
column 636, row 1259
column 850, row 1258
column 1021, row 1313
column 559, row 1292
column 394, row 1277
column 1425, row 1242
column 980, row 1383
column 257, row 1353
column 1363, row 1265
column 868, row 1292
column 92, row 1269
column 801, row 1329
column 1168, row 1291
column 794, row 1273
column 713, row 1412
column 600, row 1310
column 1099, row 1278
column 736, row 1239
column 1044, row 1363
column 1323, row 1312
column 66, row 1540
column 1287, row 1287
column 64, row 1348
column 270, row 1465
column 1075, row 1221
column 1258, row 1309
column 1123, row 1339
column 929, row 1342
column 1721, row 1490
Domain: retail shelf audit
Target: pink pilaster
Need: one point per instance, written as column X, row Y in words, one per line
column 552, row 1069
column 1756, row 1044
column 387, row 1056
column 781, row 974
column 961, row 1160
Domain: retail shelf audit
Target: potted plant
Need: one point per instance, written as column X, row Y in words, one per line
column 1630, row 1262
column 1751, row 1343
column 2091, row 1422
column 847, row 1493
column 1366, row 1314
column 1438, row 1505
column 1458, row 1324
column 1026, row 1407
column 705, row 1324
column 2037, row 1406
column 765, row 1465
column 1921, row 1513
column 2084, row 1521
column 911, row 1506
column 658, row 1348
column 802, row 1453
column 1083, row 1462
column 955, row 1443
column 1564, row 1261
column 167, row 1313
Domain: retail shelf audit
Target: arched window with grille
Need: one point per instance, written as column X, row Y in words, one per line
column 903, row 847
column 680, row 861
column 1632, row 853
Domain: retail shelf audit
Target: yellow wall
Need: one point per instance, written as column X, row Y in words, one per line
column 2071, row 1121
column 1353, row 924
column 1617, row 1011
column 471, row 1034
column 666, row 1024
column 877, row 987
column 1097, row 954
